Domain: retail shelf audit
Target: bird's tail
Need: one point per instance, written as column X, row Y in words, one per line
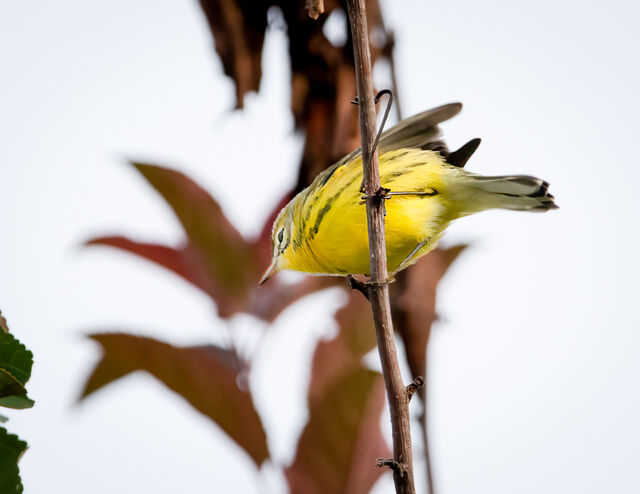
column 515, row 192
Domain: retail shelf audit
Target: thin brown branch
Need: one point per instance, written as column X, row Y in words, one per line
column 378, row 287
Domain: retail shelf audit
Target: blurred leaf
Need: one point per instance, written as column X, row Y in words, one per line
column 340, row 443
column 19, row 402
column 238, row 28
column 206, row 376
column 176, row 260
column 413, row 305
column 3, row 419
column 342, row 354
column 213, row 241
column 269, row 301
column 215, row 257
column 11, row 449
column 3, row 323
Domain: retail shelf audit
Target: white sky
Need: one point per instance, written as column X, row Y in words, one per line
column 535, row 363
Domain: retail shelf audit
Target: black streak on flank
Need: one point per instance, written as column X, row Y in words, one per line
column 330, row 173
column 325, row 209
column 327, row 206
column 397, row 155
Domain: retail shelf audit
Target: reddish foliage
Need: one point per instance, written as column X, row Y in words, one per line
column 206, row 376
column 413, row 299
column 338, row 446
column 214, row 256
column 342, row 438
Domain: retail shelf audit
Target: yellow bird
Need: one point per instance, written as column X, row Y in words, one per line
column 323, row 229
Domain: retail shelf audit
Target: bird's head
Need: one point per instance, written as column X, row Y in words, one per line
column 280, row 243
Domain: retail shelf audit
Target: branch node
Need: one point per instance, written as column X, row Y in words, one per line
column 417, row 383
column 361, row 286
column 397, row 467
column 380, row 195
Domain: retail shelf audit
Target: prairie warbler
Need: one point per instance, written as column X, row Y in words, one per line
column 323, row 229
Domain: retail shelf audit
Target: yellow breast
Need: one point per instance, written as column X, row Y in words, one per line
column 330, row 223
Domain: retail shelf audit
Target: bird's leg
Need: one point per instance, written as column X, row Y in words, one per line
column 384, row 193
column 380, row 195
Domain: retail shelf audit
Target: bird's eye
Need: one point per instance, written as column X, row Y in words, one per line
column 281, row 236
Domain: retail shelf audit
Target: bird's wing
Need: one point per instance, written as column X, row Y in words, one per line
column 420, row 131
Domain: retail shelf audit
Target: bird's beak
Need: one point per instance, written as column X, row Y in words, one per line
column 269, row 272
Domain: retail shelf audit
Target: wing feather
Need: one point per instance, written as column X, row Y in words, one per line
column 419, row 131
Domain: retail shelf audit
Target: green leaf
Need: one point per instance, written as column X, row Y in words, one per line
column 18, row 402
column 15, row 360
column 11, row 449
column 206, row 376
column 9, row 385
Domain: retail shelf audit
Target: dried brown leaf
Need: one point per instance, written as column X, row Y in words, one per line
column 238, row 28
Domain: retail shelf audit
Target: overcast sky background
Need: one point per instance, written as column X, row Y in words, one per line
column 534, row 370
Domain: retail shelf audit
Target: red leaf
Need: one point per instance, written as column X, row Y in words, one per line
column 206, row 376
column 173, row 259
column 338, row 447
column 220, row 249
column 340, row 443
column 268, row 301
column 413, row 299
column 215, row 257
column 344, row 353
